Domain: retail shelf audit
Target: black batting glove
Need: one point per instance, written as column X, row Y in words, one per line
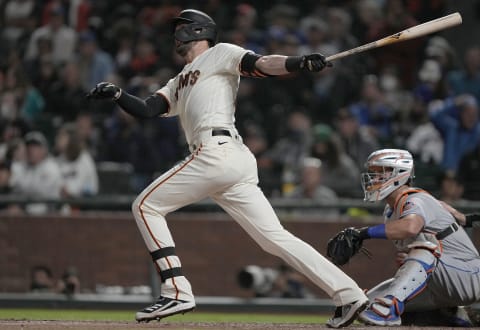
column 312, row 63
column 105, row 90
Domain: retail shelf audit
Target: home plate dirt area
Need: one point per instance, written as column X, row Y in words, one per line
column 102, row 325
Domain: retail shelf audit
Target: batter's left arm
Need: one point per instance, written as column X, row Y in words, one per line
column 152, row 106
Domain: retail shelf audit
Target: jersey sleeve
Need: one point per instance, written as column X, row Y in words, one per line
column 416, row 206
column 168, row 92
column 228, row 57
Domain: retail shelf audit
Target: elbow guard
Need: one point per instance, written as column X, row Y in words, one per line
column 248, row 67
column 157, row 104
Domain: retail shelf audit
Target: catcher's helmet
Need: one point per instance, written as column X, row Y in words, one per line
column 387, row 170
column 198, row 26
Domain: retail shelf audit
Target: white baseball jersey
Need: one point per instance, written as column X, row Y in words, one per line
column 203, row 95
column 221, row 167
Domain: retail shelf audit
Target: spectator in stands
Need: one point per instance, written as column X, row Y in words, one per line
column 67, row 98
column 77, row 167
column 69, row 283
column 95, row 65
column 431, row 82
column 372, row 111
column 31, row 101
column 340, row 172
column 469, row 174
column 42, row 71
column 19, row 100
column 18, row 19
column 5, row 174
column 39, row 176
column 41, row 279
column 15, row 151
column 311, row 187
column 287, row 153
column 457, row 119
column 9, row 103
column 340, row 22
column 367, row 14
column 144, row 60
column 357, row 141
column 89, row 133
column 79, row 14
column 254, row 138
column 123, row 51
column 403, row 56
column 451, row 189
column 441, row 51
column 422, row 138
column 467, row 80
column 245, row 24
column 10, row 131
column 316, row 33
column 63, row 37
column 125, row 141
column 426, row 143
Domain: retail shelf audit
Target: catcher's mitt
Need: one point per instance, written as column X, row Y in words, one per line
column 344, row 245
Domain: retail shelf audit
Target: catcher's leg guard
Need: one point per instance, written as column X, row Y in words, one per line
column 408, row 282
column 380, row 290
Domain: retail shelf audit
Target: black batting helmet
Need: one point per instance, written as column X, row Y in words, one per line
column 198, row 26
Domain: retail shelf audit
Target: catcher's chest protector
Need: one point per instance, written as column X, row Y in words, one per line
column 401, row 199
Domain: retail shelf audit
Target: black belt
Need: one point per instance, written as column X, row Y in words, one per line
column 447, row 231
column 221, row 132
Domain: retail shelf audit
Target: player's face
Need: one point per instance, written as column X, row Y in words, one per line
column 376, row 176
column 182, row 48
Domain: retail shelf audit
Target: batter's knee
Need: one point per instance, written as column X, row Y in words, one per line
column 136, row 207
column 139, row 205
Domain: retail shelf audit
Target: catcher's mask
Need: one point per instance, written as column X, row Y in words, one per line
column 196, row 25
column 387, row 170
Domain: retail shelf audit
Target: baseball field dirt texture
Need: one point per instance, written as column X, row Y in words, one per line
column 103, row 325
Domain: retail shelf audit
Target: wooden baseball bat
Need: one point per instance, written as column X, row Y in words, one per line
column 410, row 33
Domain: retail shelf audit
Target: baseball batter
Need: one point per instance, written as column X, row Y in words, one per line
column 439, row 265
column 220, row 166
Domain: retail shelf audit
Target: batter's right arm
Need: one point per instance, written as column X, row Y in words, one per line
column 152, row 106
column 274, row 65
column 279, row 64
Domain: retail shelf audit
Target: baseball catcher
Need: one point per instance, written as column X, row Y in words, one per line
column 438, row 263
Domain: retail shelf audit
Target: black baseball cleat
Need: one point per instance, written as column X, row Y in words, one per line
column 346, row 314
column 164, row 307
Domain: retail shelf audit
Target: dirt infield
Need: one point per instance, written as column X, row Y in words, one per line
column 97, row 325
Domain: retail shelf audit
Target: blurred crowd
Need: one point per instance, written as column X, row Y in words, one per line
column 310, row 133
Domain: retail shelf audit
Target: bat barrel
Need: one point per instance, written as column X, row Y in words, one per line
column 407, row 34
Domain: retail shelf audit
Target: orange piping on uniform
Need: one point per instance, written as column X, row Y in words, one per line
column 145, row 221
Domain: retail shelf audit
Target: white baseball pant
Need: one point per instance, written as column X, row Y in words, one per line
column 227, row 172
